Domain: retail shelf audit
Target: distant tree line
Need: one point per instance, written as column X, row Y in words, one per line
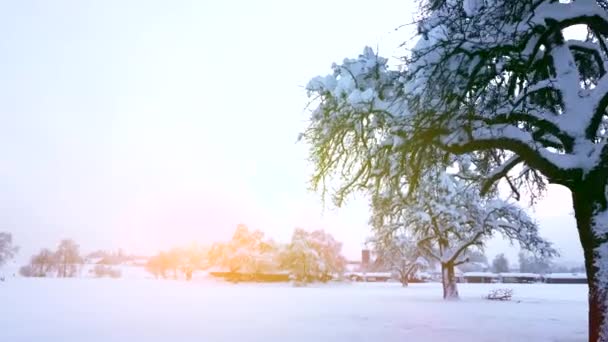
column 309, row 256
column 66, row 261
column 168, row 264
column 528, row 263
column 110, row 258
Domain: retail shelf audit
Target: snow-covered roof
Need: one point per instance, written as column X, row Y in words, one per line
column 480, row 274
column 566, row 276
column 520, row 275
column 378, row 274
column 371, row 274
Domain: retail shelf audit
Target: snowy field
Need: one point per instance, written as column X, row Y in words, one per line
column 205, row 310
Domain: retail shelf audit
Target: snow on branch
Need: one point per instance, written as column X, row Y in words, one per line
column 447, row 217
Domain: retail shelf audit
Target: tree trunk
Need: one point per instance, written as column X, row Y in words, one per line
column 448, row 280
column 304, row 272
column 589, row 203
column 404, row 280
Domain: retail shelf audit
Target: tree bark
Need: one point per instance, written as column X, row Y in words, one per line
column 448, row 280
column 589, row 200
column 404, row 280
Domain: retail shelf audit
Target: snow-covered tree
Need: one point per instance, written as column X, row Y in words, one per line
column 519, row 86
column 400, row 254
column 185, row 260
column 301, row 259
column 193, row 257
column 500, row 264
column 477, row 262
column 173, row 259
column 7, row 249
column 448, row 218
column 159, row 264
column 312, row 256
column 246, row 252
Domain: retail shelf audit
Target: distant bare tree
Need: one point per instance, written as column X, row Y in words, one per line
column 500, row 264
column 40, row 265
column 44, row 262
column 7, row 249
column 68, row 258
column 529, row 263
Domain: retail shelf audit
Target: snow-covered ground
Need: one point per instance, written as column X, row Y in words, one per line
column 205, row 310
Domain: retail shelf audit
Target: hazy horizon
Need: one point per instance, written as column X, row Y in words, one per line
column 150, row 124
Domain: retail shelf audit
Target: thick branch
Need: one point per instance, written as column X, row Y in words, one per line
column 591, row 48
column 559, row 168
column 499, row 172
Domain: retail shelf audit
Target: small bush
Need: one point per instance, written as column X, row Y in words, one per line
column 101, row 271
column 500, row 294
column 27, row 271
column 298, row 283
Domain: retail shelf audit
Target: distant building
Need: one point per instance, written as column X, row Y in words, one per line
column 365, row 257
column 254, row 277
column 367, row 263
column 565, row 278
column 370, row 276
column 519, row 278
column 480, row 277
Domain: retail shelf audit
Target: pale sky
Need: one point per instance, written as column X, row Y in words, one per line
column 149, row 124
